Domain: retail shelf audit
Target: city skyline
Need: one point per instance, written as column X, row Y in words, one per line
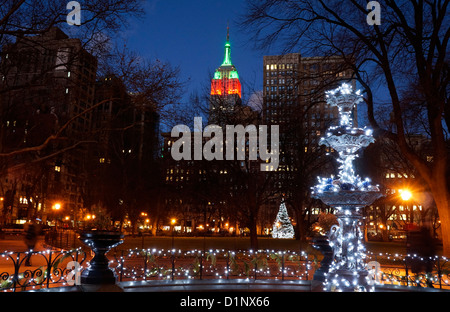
column 198, row 33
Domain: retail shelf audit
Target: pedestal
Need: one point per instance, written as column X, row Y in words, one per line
column 100, row 242
column 348, row 272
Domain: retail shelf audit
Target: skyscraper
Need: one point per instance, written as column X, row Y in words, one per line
column 226, row 90
column 294, row 99
column 46, row 81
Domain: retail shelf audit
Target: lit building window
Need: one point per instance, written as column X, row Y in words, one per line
column 58, row 168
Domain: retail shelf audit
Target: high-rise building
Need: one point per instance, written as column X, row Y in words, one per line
column 207, row 210
column 294, row 98
column 226, row 90
column 47, row 85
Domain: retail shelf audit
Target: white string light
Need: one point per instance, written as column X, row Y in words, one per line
column 346, row 193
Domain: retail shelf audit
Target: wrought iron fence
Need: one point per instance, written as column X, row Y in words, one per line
column 154, row 264
column 39, row 269
column 410, row 270
column 62, row 238
column 53, row 268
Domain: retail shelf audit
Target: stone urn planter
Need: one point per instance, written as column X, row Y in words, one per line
column 100, row 242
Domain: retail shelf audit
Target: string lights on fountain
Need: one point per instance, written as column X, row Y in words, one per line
column 347, row 193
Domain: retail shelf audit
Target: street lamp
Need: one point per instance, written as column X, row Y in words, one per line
column 173, row 221
column 56, row 207
column 405, row 194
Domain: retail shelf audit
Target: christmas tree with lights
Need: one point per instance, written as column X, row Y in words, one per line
column 282, row 227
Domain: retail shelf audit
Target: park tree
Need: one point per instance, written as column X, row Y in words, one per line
column 407, row 47
column 154, row 86
column 21, row 22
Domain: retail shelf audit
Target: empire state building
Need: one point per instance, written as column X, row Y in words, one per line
column 226, row 91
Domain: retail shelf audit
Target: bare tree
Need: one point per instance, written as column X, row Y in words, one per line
column 23, row 26
column 154, row 87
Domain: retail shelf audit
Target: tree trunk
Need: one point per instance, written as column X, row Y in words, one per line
column 301, row 236
column 384, row 234
column 253, row 234
column 154, row 226
column 442, row 200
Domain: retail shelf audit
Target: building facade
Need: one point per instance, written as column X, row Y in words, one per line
column 47, row 88
column 294, row 98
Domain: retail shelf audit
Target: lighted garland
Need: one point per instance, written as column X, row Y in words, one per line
column 37, row 277
column 301, row 262
column 251, row 263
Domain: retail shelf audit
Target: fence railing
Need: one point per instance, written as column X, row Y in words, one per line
column 53, row 268
column 153, row 264
column 409, row 270
column 62, row 238
column 39, row 269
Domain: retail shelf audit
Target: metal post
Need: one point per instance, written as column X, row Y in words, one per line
column 145, row 265
column 49, row 267
column 121, row 266
column 16, row 271
column 173, row 265
column 406, row 272
column 228, row 265
column 439, row 272
column 201, row 266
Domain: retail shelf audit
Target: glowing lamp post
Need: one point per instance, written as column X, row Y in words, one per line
column 405, row 195
column 173, row 222
column 56, row 207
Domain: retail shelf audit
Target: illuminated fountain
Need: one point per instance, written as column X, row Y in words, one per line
column 347, row 194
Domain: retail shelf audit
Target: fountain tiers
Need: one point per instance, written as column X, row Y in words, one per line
column 347, row 194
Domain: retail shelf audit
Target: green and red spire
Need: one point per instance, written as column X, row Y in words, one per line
column 226, row 78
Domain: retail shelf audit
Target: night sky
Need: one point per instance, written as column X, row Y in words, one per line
column 191, row 34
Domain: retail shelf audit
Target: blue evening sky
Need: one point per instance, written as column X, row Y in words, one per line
column 191, row 34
